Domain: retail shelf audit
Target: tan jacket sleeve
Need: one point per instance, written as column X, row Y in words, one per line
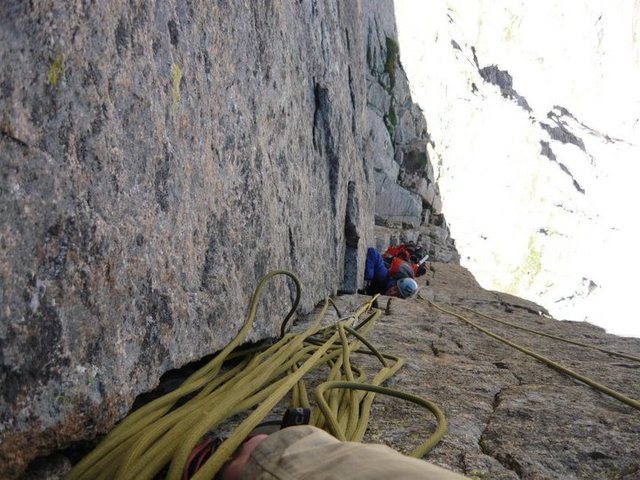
column 311, row 454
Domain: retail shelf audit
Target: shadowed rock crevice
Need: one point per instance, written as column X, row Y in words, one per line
column 560, row 132
column 504, row 81
column 163, row 178
column 11, row 138
column 546, row 151
column 561, row 117
column 352, row 239
column 511, row 302
column 485, row 443
column 507, row 461
column 563, row 112
column 352, row 96
column 323, row 138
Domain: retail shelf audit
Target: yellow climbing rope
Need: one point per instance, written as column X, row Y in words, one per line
column 560, row 339
column 602, row 388
column 161, row 435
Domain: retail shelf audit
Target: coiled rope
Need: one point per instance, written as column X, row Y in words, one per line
column 160, row 436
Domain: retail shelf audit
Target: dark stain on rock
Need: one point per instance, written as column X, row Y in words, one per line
column 86, row 156
column 6, row 88
column 206, row 61
column 54, row 230
column 141, row 13
column 598, row 455
column 122, row 37
column 68, row 238
column 260, row 266
column 209, row 264
column 173, row 32
column 161, row 182
column 44, row 108
column 152, row 302
column 159, row 308
column 258, row 159
column 352, row 95
column 98, row 120
column 229, row 141
column 155, row 308
column 90, row 75
column 81, row 149
column 64, row 134
column 217, row 232
column 85, row 293
column 292, row 245
column 323, row 139
column 115, row 183
column 475, row 57
column 415, row 160
column 39, row 340
column 57, row 248
column 94, row 349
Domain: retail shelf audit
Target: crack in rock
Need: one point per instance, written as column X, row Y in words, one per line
column 13, row 139
column 506, row 460
column 546, row 151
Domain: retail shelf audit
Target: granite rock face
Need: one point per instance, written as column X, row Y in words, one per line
column 395, row 204
column 407, row 196
column 156, row 159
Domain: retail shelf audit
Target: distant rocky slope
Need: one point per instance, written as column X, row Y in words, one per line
column 534, row 117
column 158, row 158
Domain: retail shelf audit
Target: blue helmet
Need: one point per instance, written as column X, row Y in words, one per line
column 407, row 287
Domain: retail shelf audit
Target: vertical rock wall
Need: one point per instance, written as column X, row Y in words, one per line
column 156, row 159
column 408, row 207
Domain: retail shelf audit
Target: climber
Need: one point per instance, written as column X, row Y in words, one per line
column 310, row 453
column 409, row 253
column 396, row 280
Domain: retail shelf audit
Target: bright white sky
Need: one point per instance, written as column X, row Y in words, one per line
column 583, row 55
